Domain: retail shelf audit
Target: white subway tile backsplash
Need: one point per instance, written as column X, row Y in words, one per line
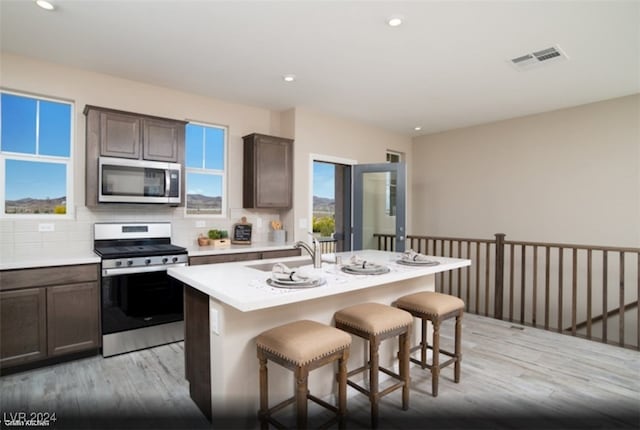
column 27, row 237
column 21, row 238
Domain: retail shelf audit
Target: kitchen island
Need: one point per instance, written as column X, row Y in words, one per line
column 228, row 305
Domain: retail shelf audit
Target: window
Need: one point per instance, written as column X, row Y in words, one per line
column 206, row 147
column 35, row 155
column 392, row 157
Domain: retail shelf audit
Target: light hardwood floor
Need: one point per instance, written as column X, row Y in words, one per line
column 512, row 378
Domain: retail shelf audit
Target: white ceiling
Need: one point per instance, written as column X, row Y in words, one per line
column 445, row 67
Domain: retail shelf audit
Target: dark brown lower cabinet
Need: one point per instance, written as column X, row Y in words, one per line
column 197, row 351
column 243, row 256
column 23, row 326
column 72, row 318
column 48, row 314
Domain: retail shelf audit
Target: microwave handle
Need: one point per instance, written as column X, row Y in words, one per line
column 167, row 183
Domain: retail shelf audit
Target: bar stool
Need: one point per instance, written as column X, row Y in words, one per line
column 435, row 307
column 375, row 322
column 302, row 346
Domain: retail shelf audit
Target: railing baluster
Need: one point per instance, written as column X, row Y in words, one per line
column 605, row 306
column 511, row 266
column 574, row 291
column 523, row 282
column 547, row 292
column 486, row 281
column 589, row 291
column 534, row 303
column 560, row 282
column 459, row 271
column 468, row 271
column 449, row 274
column 487, row 285
column 621, row 304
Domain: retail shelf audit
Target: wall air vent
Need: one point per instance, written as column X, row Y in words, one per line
column 539, row 58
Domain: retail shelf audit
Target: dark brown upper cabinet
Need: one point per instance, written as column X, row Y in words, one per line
column 267, row 172
column 115, row 133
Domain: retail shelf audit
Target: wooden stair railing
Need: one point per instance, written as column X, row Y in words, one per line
column 541, row 284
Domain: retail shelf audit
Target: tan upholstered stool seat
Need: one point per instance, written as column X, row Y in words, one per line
column 373, row 318
column 301, row 342
column 375, row 322
column 302, row 346
column 435, row 307
column 430, row 303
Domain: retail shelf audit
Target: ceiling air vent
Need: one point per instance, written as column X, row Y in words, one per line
column 538, row 58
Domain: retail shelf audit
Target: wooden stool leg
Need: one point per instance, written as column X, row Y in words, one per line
column 424, row 344
column 458, row 350
column 342, row 388
column 302, row 390
column 435, row 366
column 374, row 344
column 264, row 392
column 404, row 368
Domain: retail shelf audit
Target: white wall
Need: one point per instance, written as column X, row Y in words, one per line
column 571, row 175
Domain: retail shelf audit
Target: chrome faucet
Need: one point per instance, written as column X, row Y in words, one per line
column 315, row 253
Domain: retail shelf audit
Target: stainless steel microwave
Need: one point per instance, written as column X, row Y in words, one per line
column 122, row 180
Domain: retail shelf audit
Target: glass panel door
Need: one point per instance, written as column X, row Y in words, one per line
column 379, row 204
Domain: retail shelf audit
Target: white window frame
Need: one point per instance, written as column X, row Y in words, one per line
column 67, row 161
column 213, row 172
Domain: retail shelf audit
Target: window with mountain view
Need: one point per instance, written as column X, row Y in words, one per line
column 205, row 169
column 35, row 155
column 324, row 198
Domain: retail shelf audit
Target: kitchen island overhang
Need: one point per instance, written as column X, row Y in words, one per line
column 227, row 305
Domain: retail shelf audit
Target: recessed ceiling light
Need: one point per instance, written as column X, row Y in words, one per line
column 44, row 4
column 417, row 128
column 289, row 78
column 394, row 21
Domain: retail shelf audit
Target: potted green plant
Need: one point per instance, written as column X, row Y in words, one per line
column 218, row 238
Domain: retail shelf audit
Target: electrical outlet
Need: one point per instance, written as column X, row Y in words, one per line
column 46, row 227
column 303, row 223
column 201, row 224
column 214, row 321
column 258, row 222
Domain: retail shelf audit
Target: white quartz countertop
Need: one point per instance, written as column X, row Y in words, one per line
column 63, row 259
column 245, row 288
column 89, row 257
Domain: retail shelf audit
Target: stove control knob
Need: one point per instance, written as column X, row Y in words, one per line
column 147, row 261
column 165, row 260
column 174, row 259
column 118, row 263
column 129, row 262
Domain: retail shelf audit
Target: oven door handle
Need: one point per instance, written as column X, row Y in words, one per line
column 130, row 271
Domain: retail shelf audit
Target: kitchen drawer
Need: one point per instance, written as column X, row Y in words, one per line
column 40, row 277
column 225, row 258
column 281, row 253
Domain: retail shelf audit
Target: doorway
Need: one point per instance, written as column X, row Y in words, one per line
column 379, row 204
column 352, row 202
column 331, row 205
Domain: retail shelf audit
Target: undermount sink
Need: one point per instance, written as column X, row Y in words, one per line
column 267, row 267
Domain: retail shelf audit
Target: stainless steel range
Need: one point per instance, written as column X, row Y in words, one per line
column 141, row 305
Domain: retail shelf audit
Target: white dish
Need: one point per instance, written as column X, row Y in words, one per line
column 417, row 262
column 306, row 283
column 368, row 269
